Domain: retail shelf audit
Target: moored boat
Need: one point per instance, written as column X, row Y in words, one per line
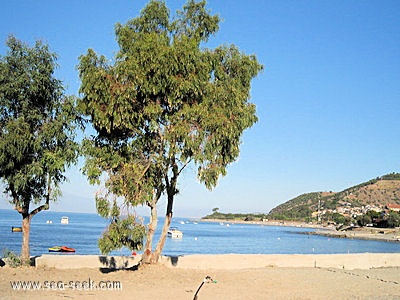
column 16, row 229
column 67, row 249
column 64, row 220
column 55, row 249
column 174, row 233
column 61, row 249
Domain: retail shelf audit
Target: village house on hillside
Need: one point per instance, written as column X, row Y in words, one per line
column 394, row 207
column 347, row 210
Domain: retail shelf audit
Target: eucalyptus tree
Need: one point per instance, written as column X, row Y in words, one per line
column 37, row 130
column 164, row 102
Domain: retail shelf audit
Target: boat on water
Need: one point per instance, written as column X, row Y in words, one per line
column 55, row 249
column 67, row 249
column 61, row 249
column 174, row 233
column 64, row 220
column 16, row 229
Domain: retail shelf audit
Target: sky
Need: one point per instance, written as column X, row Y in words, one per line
column 328, row 100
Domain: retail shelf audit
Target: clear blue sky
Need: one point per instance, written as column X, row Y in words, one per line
column 327, row 101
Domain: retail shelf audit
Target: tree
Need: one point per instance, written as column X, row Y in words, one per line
column 341, row 219
column 363, row 220
column 164, row 103
column 36, row 131
column 393, row 219
column 374, row 215
column 215, row 209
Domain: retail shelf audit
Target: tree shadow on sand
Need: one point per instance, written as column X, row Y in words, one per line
column 111, row 265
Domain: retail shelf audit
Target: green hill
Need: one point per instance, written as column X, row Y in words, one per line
column 374, row 194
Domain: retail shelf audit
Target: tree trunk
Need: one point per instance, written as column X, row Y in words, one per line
column 161, row 242
column 26, row 224
column 26, row 220
column 148, row 248
column 171, row 192
column 153, row 257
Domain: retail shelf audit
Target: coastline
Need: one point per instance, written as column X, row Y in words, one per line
column 361, row 233
column 372, row 234
column 268, row 223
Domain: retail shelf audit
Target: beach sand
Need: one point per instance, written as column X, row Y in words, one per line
column 165, row 281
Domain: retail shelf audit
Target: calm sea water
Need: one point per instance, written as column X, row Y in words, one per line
column 83, row 231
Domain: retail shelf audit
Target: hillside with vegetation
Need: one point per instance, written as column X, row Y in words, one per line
column 363, row 204
column 217, row 215
column 372, row 195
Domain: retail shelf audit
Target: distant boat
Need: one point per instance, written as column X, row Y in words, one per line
column 174, row 233
column 16, row 229
column 49, row 222
column 64, row 220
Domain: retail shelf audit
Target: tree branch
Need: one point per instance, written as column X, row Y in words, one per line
column 39, row 209
column 184, row 166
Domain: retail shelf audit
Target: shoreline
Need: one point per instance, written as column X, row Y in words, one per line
column 269, row 223
column 362, row 233
column 375, row 234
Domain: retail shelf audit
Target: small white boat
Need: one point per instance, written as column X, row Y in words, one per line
column 64, row 220
column 174, row 233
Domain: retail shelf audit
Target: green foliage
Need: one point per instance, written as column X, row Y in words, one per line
column 163, row 103
column 37, row 129
column 36, row 124
column 336, row 218
column 12, row 259
column 363, row 220
column 298, row 208
column 301, row 207
column 373, row 214
column 393, row 219
column 340, row 219
column 122, row 231
column 391, row 176
column 231, row 216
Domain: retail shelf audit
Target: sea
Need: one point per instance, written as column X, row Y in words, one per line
column 84, row 229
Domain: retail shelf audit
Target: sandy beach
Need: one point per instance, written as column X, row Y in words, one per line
column 271, row 278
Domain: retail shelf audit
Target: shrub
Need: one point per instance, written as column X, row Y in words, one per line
column 12, row 259
column 363, row 220
column 393, row 219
